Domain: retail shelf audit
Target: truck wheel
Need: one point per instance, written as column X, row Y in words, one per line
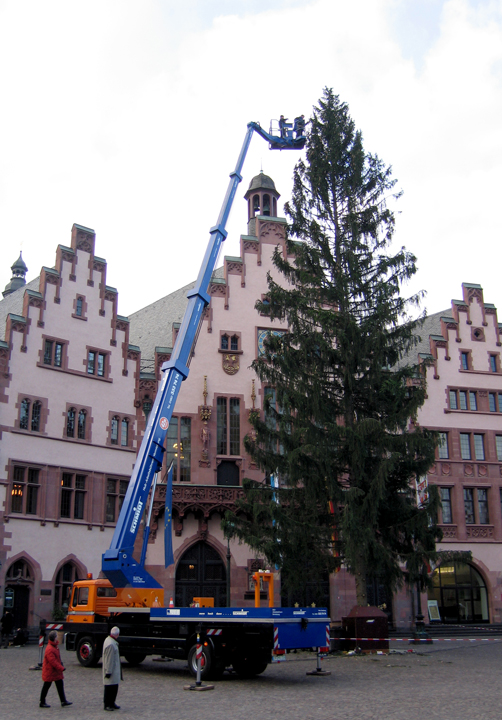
column 205, row 666
column 248, row 667
column 87, row 653
column 135, row 658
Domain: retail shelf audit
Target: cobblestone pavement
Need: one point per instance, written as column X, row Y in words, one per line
column 458, row 682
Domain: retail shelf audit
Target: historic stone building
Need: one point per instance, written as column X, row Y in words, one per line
column 68, row 427
column 77, row 382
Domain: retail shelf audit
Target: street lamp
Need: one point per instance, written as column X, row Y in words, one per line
column 229, row 534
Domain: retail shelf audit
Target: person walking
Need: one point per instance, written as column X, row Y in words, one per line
column 112, row 669
column 7, row 622
column 52, row 671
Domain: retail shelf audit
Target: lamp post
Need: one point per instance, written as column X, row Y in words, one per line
column 420, row 635
column 229, row 534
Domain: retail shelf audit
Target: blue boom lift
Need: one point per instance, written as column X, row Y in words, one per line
column 118, row 563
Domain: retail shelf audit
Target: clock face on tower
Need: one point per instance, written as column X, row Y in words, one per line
column 263, row 334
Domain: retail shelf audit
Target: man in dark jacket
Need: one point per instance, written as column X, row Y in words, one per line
column 7, row 622
column 52, row 671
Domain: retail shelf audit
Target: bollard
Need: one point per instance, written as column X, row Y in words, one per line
column 198, row 657
column 41, row 643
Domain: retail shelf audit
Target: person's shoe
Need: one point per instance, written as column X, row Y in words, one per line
column 44, row 704
column 107, row 707
column 115, row 706
column 65, row 703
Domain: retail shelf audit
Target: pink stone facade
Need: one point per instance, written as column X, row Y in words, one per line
column 76, row 384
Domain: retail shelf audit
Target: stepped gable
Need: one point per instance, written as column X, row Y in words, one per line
column 13, row 303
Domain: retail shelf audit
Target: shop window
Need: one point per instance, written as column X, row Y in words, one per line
column 227, row 426
column 73, row 493
column 115, row 493
column 24, row 491
column 179, row 448
column 460, row 593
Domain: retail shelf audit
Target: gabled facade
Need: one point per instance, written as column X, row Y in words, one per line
column 464, row 404
column 68, row 427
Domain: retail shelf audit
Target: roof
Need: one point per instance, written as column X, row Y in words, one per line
column 12, row 304
column 152, row 326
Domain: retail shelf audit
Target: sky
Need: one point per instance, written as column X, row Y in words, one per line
column 127, row 116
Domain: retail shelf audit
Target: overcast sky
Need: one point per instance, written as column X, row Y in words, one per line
column 128, row 116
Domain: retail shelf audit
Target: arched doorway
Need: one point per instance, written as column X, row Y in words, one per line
column 461, row 594
column 18, row 583
column 201, row 573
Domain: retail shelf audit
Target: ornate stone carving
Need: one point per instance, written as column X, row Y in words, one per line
column 234, row 267
column 483, row 532
column 449, row 531
column 477, row 334
column 85, row 242
column 51, row 279
column 230, row 364
column 482, row 470
column 270, row 229
column 469, row 470
column 217, row 289
column 121, row 325
column 445, row 469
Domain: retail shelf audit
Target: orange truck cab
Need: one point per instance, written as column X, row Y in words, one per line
column 91, row 600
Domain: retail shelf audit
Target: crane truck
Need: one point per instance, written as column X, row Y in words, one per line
column 129, row 597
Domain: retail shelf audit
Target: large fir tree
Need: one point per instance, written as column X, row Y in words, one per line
column 337, row 427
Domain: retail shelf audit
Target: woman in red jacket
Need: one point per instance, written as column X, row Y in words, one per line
column 52, row 671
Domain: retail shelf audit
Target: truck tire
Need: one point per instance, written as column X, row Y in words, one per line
column 135, row 658
column 248, row 667
column 87, row 653
column 206, row 662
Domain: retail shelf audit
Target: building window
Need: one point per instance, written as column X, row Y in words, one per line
column 70, row 422
column 473, row 400
column 120, row 430
column 498, row 443
column 463, row 400
column 227, row 426
column 96, row 363
column 446, row 505
column 464, row 357
column 230, row 343
column 179, row 448
column 73, row 490
column 500, row 401
column 469, row 506
column 53, row 353
column 492, row 401
column 30, row 415
column 79, row 307
column 77, row 425
column 465, row 446
column 81, row 424
column 115, row 493
column 24, row 493
column 453, row 400
column 443, row 446
column 479, row 446
column 493, row 363
column 483, row 506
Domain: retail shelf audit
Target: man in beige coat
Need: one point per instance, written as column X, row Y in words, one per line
column 112, row 669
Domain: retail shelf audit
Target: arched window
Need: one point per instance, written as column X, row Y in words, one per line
column 20, row 570
column 35, row 416
column 256, row 204
column 124, row 432
column 266, row 204
column 70, row 423
column 234, row 343
column 114, row 435
column 81, row 424
column 79, row 307
column 25, row 414
column 64, row 581
column 224, row 342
